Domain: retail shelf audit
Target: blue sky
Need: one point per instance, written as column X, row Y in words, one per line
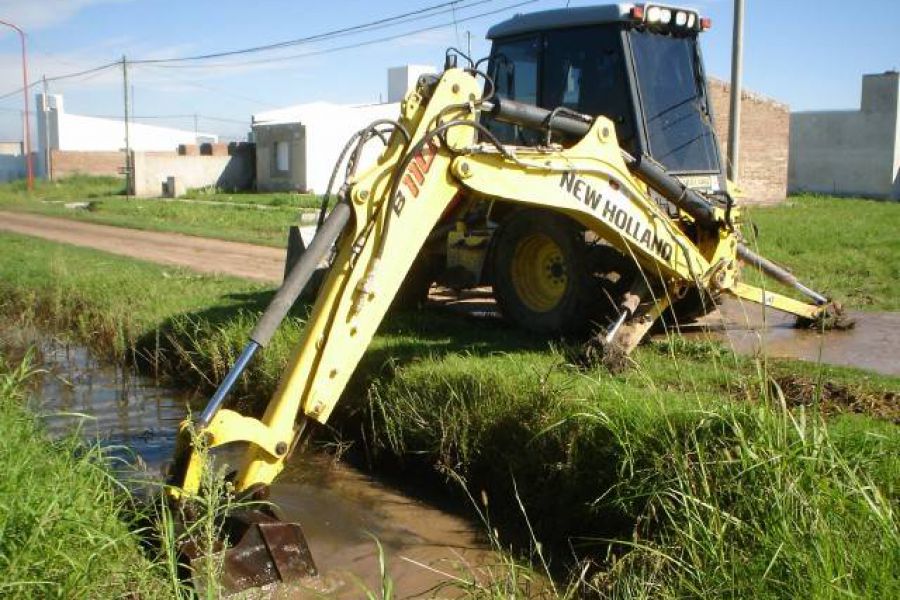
column 809, row 54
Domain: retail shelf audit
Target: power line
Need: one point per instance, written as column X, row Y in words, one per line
column 318, row 37
column 347, row 46
column 393, row 20
column 117, row 63
column 419, row 14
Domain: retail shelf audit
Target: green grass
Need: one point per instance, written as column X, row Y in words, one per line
column 63, row 524
column 673, row 486
column 291, row 199
column 227, row 219
column 847, row 247
column 687, row 476
column 102, row 298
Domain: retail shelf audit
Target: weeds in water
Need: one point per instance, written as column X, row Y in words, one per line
column 387, row 583
column 664, row 495
column 510, row 576
column 194, row 527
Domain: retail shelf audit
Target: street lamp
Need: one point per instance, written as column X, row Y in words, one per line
column 27, row 140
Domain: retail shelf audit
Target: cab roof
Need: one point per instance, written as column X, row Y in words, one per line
column 560, row 18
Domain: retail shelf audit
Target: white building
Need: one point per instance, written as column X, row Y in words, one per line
column 64, row 131
column 297, row 146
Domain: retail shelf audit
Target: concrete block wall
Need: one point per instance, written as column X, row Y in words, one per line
column 268, row 179
column 12, row 167
column 152, row 171
column 12, row 162
column 765, row 135
column 851, row 153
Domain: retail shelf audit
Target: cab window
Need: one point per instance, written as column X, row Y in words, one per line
column 514, row 69
column 583, row 69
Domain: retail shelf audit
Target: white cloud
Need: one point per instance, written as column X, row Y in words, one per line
column 37, row 14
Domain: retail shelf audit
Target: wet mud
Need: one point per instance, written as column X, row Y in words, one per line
column 832, row 398
column 873, row 343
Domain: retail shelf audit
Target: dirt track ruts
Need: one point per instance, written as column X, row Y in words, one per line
column 206, row 255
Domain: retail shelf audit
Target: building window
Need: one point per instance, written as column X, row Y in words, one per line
column 282, row 158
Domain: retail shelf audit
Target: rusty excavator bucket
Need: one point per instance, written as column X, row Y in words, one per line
column 259, row 550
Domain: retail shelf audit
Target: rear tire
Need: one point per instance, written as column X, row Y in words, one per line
column 540, row 273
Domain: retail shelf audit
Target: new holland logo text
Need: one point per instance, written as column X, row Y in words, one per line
column 579, row 189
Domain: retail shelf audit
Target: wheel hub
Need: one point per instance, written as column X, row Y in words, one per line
column 539, row 272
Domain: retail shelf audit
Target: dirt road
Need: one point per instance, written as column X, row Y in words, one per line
column 206, row 255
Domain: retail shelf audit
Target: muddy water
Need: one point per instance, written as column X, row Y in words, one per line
column 338, row 507
column 874, row 342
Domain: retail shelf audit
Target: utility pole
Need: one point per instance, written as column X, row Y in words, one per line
column 26, row 138
column 196, row 128
column 48, row 164
column 468, row 43
column 734, row 121
column 128, row 179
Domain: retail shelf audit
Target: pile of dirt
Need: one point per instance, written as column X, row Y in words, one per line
column 833, row 398
column 597, row 352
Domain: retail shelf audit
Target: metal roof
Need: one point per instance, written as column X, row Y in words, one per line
column 561, row 17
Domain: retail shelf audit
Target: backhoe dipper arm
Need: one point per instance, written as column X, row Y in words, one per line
column 375, row 251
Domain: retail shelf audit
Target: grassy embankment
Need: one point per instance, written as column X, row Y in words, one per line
column 242, row 217
column 63, row 530
column 690, row 475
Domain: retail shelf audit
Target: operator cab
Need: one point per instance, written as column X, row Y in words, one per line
column 637, row 64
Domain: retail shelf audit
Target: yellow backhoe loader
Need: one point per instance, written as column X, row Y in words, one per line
column 578, row 174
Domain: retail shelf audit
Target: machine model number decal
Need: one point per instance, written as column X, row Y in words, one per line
column 415, row 174
column 631, row 226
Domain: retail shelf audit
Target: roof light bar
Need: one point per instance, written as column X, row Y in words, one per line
column 668, row 18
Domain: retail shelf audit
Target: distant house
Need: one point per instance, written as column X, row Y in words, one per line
column 94, row 145
column 297, row 146
column 850, row 152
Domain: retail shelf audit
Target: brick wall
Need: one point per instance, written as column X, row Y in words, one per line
column 69, row 162
column 765, row 135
